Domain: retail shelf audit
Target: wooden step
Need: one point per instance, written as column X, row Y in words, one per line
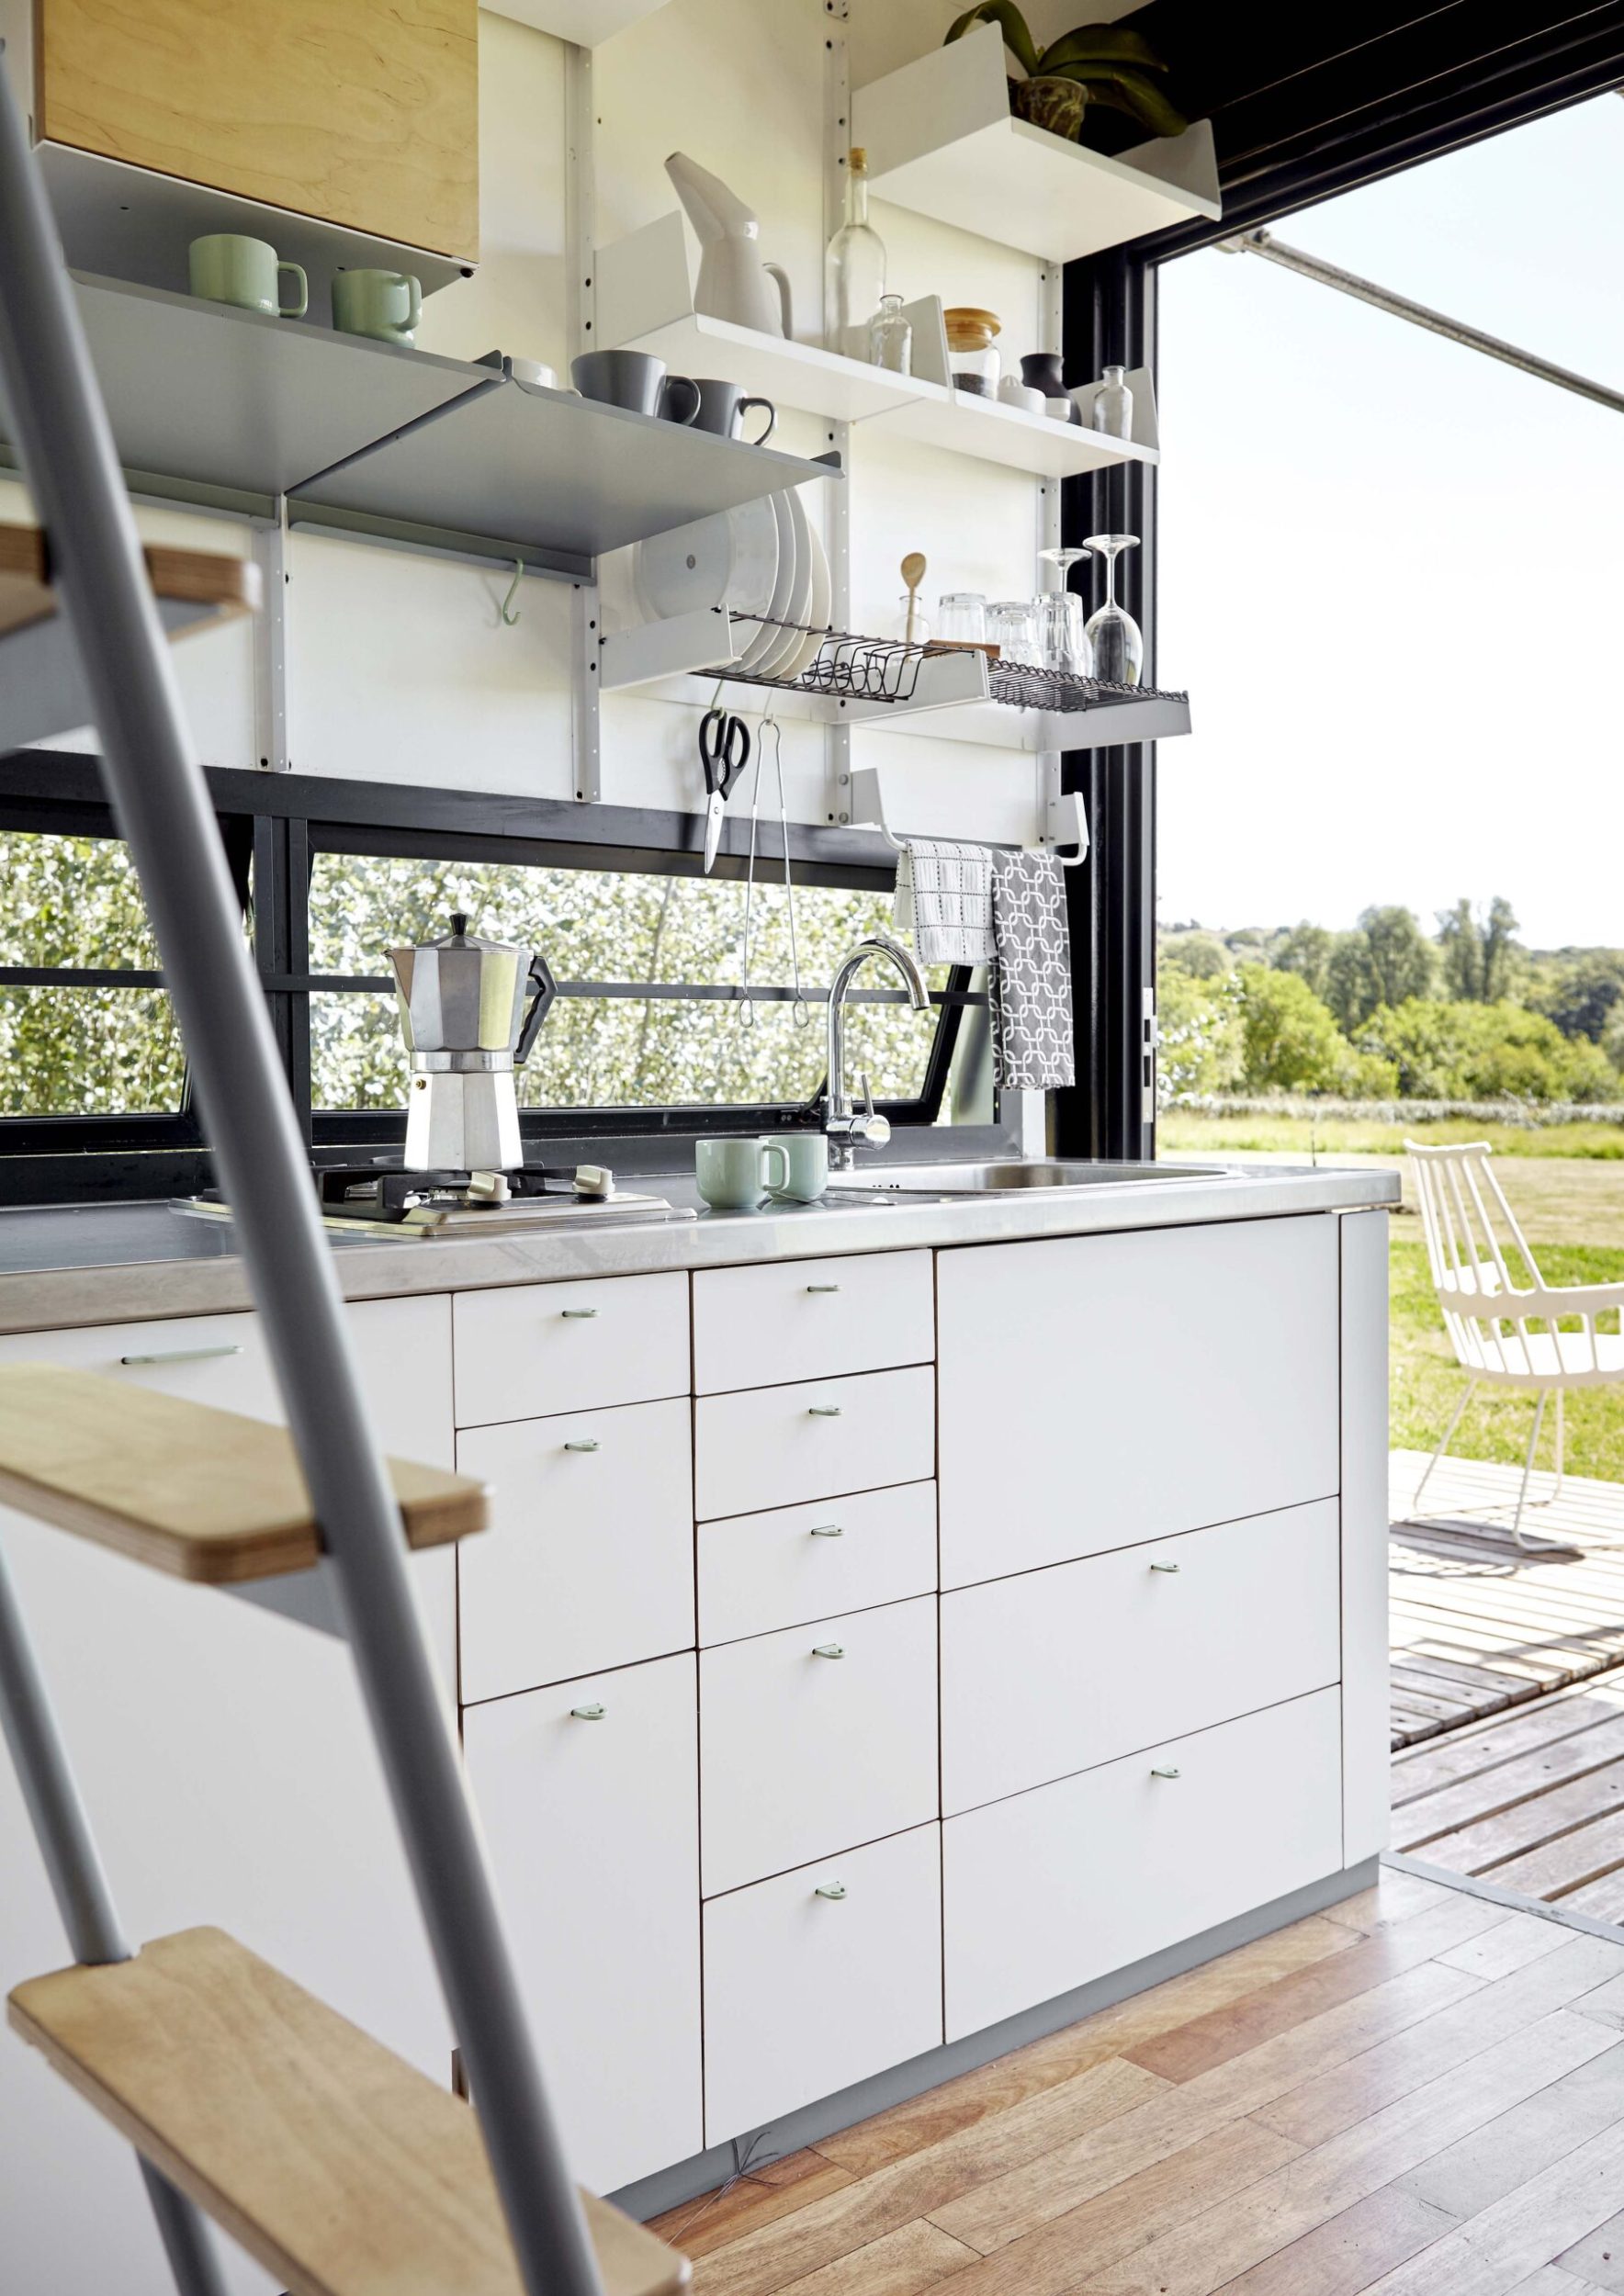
column 344, row 2171
column 41, row 686
column 200, row 1493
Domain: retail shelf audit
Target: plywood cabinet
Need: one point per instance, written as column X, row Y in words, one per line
column 362, row 112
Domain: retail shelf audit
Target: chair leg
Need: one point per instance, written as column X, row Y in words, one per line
column 1561, row 1440
column 1528, row 1464
column 1448, row 1434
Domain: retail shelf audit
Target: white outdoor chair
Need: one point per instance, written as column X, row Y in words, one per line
column 1490, row 1320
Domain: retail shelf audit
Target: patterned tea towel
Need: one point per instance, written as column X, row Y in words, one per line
column 944, row 899
column 1030, row 984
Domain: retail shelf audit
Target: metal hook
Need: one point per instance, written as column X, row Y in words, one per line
column 510, row 613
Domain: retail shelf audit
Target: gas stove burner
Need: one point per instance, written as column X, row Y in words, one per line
column 388, row 1192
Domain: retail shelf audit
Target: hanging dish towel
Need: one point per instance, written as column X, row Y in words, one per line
column 944, row 899
column 1031, row 983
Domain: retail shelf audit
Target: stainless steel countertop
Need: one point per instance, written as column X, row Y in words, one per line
column 117, row 1263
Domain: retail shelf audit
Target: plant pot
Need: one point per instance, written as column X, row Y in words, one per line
column 1051, row 102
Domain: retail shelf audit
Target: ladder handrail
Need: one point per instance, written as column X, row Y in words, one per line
column 160, row 803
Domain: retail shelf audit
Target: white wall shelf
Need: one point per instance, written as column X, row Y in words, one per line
column 1150, row 716
column 941, row 139
column 645, row 302
column 586, row 23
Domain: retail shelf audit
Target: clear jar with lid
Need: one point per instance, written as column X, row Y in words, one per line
column 971, row 354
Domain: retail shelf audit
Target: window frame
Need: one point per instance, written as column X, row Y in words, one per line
column 277, row 826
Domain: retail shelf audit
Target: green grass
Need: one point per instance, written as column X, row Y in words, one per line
column 1181, row 1131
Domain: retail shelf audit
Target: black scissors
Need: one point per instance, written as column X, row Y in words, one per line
column 724, row 752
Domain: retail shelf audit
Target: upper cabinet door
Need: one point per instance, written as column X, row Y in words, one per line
column 1097, row 1390
column 362, row 112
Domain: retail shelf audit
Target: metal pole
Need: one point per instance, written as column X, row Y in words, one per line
column 1420, row 315
column 161, row 800
column 73, row 1867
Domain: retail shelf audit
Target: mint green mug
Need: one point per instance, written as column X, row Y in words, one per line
column 734, row 1175
column 386, row 305
column 225, row 268
column 806, row 1174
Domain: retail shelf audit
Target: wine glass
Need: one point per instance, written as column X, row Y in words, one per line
column 1118, row 645
column 1064, row 560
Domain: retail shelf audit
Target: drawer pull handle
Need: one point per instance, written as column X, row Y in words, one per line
column 814, row 1288
column 826, row 1530
column 828, row 1649
column 833, row 1891
column 1166, row 1770
column 1168, row 1570
column 593, row 1713
column 577, row 1315
column 184, row 1354
column 823, row 1410
column 587, row 1442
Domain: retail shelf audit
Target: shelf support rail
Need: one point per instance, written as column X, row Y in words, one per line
column 161, row 804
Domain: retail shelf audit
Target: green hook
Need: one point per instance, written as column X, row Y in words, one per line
column 510, row 613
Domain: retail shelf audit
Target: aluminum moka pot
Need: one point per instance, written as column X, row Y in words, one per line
column 467, row 1026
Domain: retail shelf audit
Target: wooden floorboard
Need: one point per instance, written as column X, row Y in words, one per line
column 1420, row 2092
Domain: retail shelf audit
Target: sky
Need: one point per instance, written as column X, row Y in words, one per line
column 1391, row 569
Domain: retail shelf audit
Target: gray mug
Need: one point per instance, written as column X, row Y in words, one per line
column 679, row 399
column 723, row 407
column 625, row 379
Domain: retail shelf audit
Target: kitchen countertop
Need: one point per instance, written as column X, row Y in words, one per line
column 61, row 1265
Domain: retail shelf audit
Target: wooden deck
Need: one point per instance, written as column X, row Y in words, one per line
column 1418, row 2092
column 1480, row 1626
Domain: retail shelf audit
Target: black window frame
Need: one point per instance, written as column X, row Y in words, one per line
column 275, row 825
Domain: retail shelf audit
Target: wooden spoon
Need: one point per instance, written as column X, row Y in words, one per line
column 913, row 574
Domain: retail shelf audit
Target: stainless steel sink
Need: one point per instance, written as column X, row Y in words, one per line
column 993, row 1179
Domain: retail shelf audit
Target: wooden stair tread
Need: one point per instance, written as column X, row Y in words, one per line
column 216, row 586
column 342, row 2169
column 203, row 1494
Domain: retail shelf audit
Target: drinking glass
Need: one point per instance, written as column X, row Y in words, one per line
column 1118, row 647
column 1063, row 643
column 1011, row 624
column 961, row 618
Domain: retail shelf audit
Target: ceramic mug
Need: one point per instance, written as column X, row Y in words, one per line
column 227, row 268
column 733, row 1174
column 679, row 399
column 723, row 407
column 535, row 372
column 807, row 1176
column 386, row 305
column 632, row 379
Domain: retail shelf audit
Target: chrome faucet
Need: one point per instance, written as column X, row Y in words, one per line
column 845, row 1126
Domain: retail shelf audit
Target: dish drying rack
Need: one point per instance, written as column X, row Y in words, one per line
column 852, row 678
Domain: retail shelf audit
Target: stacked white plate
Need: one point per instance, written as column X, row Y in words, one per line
column 764, row 562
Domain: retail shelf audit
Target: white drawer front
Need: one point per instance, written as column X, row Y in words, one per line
column 589, row 1559
column 758, row 1572
column 552, row 1348
column 812, row 1319
column 772, row 1446
column 1050, row 1888
column 1099, row 1390
column 592, row 1829
column 1061, row 1669
column 806, row 1994
column 402, row 1350
column 815, row 1739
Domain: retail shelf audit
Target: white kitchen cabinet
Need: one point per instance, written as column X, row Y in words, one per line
column 758, row 1572
column 819, row 1977
column 536, row 1348
column 811, row 1319
column 592, row 1827
column 588, row 1561
column 1048, row 1889
column 815, row 1739
column 1366, row 1767
column 1098, row 1390
column 772, row 1446
column 1062, row 1669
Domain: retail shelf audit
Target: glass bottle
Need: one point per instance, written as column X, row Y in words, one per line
column 855, row 281
column 1113, row 405
column 890, row 337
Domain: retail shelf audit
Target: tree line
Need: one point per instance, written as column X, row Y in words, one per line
column 1387, row 1011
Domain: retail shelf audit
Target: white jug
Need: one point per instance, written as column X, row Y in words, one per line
column 733, row 278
